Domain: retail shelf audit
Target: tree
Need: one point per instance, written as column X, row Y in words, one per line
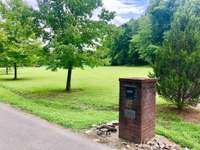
column 17, row 23
column 104, row 51
column 177, row 65
column 161, row 13
column 113, row 46
column 3, row 58
column 152, row 28
column 120, row 51
column 142, row 41
column 71, row 33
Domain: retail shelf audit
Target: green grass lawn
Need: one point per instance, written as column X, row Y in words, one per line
column 93, row 100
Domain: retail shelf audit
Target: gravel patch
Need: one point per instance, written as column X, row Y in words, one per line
column 108, row 134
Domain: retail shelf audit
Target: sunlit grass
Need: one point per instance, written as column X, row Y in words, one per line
column 93, row 100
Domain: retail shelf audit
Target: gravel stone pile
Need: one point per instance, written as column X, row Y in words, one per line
column 108, row 134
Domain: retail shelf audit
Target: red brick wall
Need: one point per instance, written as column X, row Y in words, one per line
column 141, row 128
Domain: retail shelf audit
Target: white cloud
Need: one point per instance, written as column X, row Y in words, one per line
column 32, row 3
column 120, row 7
column 125, row 9
column 118, row 20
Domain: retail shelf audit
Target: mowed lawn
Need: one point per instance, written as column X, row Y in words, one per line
column 94, row 99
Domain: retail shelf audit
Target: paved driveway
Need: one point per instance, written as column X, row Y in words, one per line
column 21, row 131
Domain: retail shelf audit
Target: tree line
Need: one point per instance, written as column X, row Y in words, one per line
column 138, row 41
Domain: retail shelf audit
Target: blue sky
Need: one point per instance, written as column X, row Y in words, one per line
column 125, row 9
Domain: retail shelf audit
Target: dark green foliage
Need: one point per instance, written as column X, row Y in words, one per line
column 178, row 62
column 161, row 15
column 3, row 39
column 121, row 54
column 140, row 39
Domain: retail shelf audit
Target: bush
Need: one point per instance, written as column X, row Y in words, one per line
column 177, row 66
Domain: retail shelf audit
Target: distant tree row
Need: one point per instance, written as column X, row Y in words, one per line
column 137, row 42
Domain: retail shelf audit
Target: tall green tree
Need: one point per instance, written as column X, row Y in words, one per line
column 177, row 65
column 3, row 57
column 142, row 41
column 161, row 14
column 121, row 52
column 17, row 23
column 107, row 44
column 70, row 32
column 3, row 40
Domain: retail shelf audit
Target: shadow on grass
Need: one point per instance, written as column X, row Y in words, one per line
column 51, row 93
column 69, row 100
column 5, row 74
column 18, row 80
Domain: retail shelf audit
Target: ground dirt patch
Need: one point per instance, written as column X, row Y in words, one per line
column 191, row 114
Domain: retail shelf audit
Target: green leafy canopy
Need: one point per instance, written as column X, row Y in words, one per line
column 20, row 42
column 71, row 33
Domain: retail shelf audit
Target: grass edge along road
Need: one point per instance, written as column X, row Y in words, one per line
column 92, row 102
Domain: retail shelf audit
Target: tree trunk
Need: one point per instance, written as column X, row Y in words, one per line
column 15, row 71
column 180, row 105
column 7, row 70
column 69, row 75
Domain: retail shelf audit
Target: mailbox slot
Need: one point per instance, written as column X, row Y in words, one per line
column 131, row 92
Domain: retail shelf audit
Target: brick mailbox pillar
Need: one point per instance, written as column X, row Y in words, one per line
column 137, row 109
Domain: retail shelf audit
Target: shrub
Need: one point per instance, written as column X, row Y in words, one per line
column 177, row 66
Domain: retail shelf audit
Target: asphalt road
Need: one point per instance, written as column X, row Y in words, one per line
column 21, row 131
